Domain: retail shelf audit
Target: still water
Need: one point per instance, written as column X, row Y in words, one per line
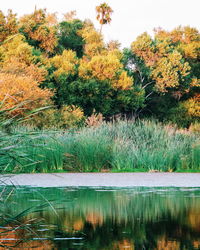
column 96, row 218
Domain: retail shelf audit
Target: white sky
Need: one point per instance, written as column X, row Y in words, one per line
column 130, row 18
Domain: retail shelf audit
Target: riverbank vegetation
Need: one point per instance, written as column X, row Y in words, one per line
column 120, row 146
column 66, row 88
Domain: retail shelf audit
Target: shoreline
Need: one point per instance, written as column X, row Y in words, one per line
column 102, row 179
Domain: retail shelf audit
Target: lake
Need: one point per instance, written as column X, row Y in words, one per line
column 100, row 218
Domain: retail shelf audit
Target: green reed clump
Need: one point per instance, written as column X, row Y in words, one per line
column 120, row 146
column 130, row 146
column 32, row 152
column 151, row 146
column 88, row 150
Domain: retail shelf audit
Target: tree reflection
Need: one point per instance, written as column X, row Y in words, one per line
column 140, row 218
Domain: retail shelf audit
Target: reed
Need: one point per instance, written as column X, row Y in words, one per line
column 121, row 146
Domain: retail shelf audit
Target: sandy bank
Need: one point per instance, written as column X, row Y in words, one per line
column 104, row 179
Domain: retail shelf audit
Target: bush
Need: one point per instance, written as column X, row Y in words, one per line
column 65, row 118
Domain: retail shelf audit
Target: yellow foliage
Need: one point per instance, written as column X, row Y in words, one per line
column 195, row 82
column 166, row 72
column 100, row 67
column 106, row 67
column 192, row 106
column 190, row 50
column 180, row 34
column 33, row 71
column 166, row 55
column 143, row 47
column 18, row 48
column 116, row 52
column 65, row 63
column 187, row 39
column 123, row 82
column 22, row 89
column 46, row 37
column 71, row 115
column 16, row 58
column 93, row 40
column 67, row 117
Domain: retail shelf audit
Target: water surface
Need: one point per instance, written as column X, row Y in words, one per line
column 100, row 218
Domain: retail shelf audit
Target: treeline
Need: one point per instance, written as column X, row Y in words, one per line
column 67, row 67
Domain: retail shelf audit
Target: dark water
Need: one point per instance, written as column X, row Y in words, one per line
column 89, row 218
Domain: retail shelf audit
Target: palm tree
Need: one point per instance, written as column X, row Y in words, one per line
column 103, row 14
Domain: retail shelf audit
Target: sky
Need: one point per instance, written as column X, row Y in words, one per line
column 129, row 19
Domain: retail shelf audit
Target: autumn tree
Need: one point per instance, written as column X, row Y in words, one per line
column 95, row 81
column 70, row 16
column 40, row 30
column 104, row 12
column 8, row 25
column 101, row 63
column 22, row 90
column 20, row 77
column 172, row 62
column 93, row 40
column 17, row 58
column 101, row 67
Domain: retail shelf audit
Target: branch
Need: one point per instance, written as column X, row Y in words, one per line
column 147, row 84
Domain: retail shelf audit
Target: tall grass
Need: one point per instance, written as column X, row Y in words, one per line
column 31, row 152
column 121, row 146
column 17, row 154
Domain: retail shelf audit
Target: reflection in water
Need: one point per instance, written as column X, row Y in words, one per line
column 88, row 218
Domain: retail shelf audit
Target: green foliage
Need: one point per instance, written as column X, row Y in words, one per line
column 68, row 37
column 99, row 95
column 90, row 95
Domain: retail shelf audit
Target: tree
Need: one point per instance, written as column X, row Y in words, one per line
column 103, row 14
column 106, row 67
column 8, row 25
column 39, row 30
column 17, row 58
column 21, row 76
column 172, row 63
column 93, row 40
column 22, row 90
column 170, row 57
column 69, row 37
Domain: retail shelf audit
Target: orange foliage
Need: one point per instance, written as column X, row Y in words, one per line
column 70, row 16
column 34, row 72
column 22, row 90
column 40, row 27
column 187, row 40
column 8, row 25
